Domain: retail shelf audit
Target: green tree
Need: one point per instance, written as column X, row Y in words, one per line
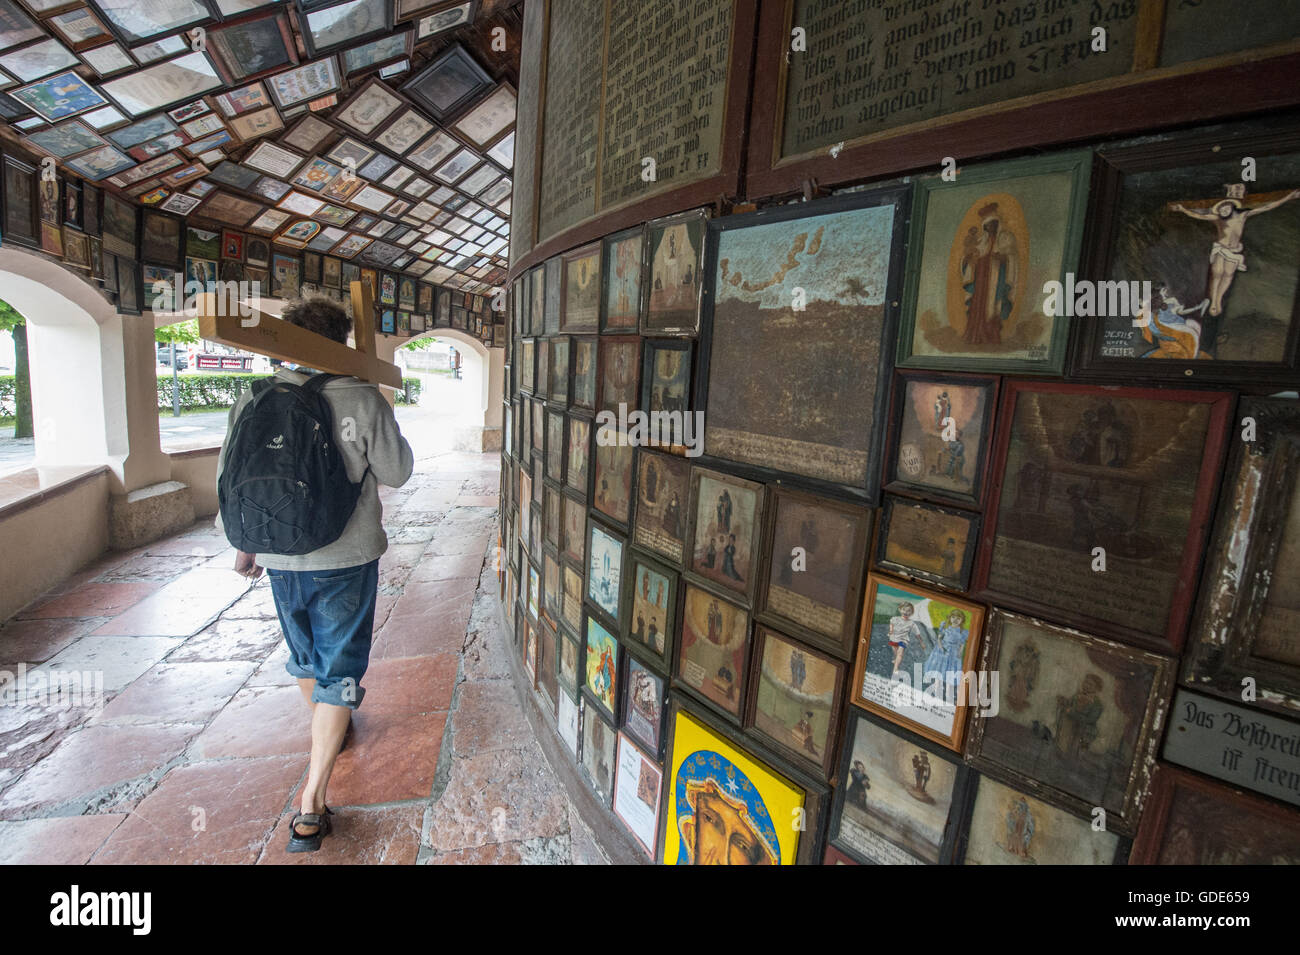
column 420, row 344
column 182, row 333
column 13, row 323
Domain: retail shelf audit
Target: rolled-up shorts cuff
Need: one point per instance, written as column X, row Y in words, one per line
column 343, row 693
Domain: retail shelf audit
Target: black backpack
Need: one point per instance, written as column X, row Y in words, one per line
column 284, row 488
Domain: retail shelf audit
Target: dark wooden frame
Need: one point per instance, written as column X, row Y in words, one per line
column 1111, row 166
column 1198, row 524
column 309, row 42
column 1155, row 816
column 32, row 238
column 565, row 327
column 967, row 812
column 912, row 573
column 574, row 343
column 179, row 29
column 899, row 197
column 750, row 711
column 611, row 716
column 611, row 622
column 679, row 647
column 843, row 648
column 606, row 243
column 956, row 811
column 1145, row 747
column 558, row 396
column 228, row 72
column 649, row 346
column 745, row 596
column 608, row 341
column 445, row 116
column 701, row 276
column 897, row 407
column 1129, row 103
column 1079, row 163
column 656, row 752
column 1258, row 492
column 660, row 663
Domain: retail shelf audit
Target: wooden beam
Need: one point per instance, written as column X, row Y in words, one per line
column 265, row 334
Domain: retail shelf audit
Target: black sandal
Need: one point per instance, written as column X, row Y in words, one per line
column 309, row 843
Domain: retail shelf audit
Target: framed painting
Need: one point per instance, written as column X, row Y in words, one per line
column 927, row 542
column 600, row 677
column 941, row 426
column 816, row 551
column 796, row 700
column 651, row 610
column 567, row 656
column 1097, row 512
column 726, row 523
column 751, row 807
column 1077, row 719
column 604, row 572
column 450, row 83
column 530, row 650
column 577, row 472
column 638, row 787
column 310, row 81
column 580, row 290
column 611, row 479
column 712, row 652
column 573, row 540
column 328, row 28
column 583, row 359
column 160, row 239
column 983, row 248
column 641, row 711
column 571, row 603
column 164, row 84
column 21, row 225
column 1247, row 619
column 130, row 290
column 132, row 24
column 1199, row 280
column 916, row 659
column 787, row 265
column 485, row 121
column 552, row 589
column 60, row 96
column 442, row 20
column 553, row 302
column 558, row 370
column 666, row 386
column 620, row 300
column 534, row 604
column 900, row 799
column 252, row 47
column 555, row 459
column 836, row 857
column 1006, row 826
column 675, row 259
column 662, row 492
column 538, row 430
column 120, row 222
column 599, row 741
column 1190, row 820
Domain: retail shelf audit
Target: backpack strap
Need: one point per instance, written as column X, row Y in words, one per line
column 318, row 381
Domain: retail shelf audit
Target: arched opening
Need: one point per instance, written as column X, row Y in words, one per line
column 461, row 411
column 92, row 379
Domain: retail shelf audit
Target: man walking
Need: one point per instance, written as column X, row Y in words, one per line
column 325, row 597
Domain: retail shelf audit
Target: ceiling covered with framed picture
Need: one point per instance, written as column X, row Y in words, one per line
column 386, row 126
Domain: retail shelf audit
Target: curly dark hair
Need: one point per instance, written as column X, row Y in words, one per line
column 321, row 315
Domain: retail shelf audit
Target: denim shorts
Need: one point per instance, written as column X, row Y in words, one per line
column 328, row 617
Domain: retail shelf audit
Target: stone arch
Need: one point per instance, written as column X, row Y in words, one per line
column 94, row 398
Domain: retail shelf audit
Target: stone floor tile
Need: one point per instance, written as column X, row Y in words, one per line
column 258, row 721
column 181, row 608
column 258, row 603
column 272, row 671
column 390, row 759
column 115, row 660
column 152, row 567
column 59, row 840
column 35, row 641
column 436, row 567
column 212, row 812
column 231, row 638
column 94, row 600
column 178, row 693
column 360, row 837
column 505, row 796
column 415, row 685
column 99, row 768
column 488, row 718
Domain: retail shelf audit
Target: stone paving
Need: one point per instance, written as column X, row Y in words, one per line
column 201, row 745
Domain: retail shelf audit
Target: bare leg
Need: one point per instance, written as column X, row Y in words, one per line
column 1219, row 282
column 306, row 685
column 328, row 724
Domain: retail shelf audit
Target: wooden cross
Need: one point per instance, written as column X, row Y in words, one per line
column 263, row 334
